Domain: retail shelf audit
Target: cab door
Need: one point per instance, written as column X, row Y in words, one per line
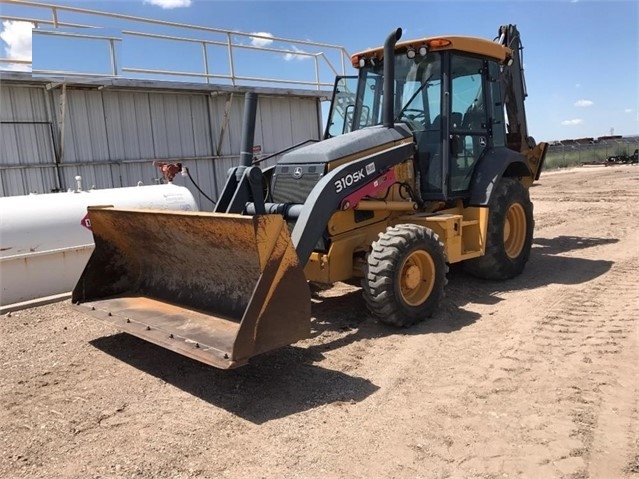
column 469, row 122
column 340, row 114
column 356, row 103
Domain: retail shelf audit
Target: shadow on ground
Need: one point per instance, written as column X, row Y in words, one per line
column 272, row 386
column 287, row 381
column 547, row 265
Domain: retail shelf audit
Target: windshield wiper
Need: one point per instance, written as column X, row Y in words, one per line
column 410, row 100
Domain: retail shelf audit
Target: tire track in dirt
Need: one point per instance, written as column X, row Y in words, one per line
column 615, row 441
column 531, row 401
column 562, row 363
column 557, row 360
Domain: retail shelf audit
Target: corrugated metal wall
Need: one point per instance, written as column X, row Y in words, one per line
column 27, row 152
column 110, row 136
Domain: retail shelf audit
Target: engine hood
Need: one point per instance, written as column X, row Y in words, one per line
column 344, row 145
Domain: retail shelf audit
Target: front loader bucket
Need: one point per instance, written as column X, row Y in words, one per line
column 218, row 288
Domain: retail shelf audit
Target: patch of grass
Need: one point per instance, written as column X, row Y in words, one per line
column 556, row 161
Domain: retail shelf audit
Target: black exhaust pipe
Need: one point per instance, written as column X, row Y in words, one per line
column 388, row 107
column 248, row 129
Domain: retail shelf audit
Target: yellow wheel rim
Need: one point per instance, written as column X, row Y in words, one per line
column 515, row 230
column 417, row 278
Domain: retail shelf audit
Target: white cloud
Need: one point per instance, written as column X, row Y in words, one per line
column 17, row 38
column 292, row 56
column 261, row 42
column 575, row 121
column 578, row 85
column 168, row 4
column 584, row 103
column 628, row 110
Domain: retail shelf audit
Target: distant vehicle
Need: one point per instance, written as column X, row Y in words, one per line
column 624, row 159
column 616, row 159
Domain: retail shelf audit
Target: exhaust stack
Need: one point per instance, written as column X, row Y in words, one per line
column 248, row 129
column 388, row 107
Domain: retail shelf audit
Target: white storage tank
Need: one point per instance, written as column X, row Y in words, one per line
column 44, row 245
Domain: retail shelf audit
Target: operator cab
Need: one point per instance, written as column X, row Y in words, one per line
column 441, row 94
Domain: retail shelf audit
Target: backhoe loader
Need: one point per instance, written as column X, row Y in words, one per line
column 426, row 161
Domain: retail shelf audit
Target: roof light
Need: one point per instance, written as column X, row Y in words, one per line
column 438, row 43
column 362, row 62
column 423, row 51
column 410, row 53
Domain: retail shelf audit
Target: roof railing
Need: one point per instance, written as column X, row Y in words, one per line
column 228, row 41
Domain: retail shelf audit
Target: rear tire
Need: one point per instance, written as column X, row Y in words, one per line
column 509, row 235
column 405, row 275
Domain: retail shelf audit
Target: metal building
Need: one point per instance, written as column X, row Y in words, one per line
column 109, row 132
column 56, row 124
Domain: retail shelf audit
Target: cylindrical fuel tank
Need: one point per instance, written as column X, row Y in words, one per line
column 45, row 241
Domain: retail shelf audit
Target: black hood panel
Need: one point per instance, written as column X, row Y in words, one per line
column 344, row 145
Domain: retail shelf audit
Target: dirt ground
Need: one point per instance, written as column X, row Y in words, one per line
column 537, row 377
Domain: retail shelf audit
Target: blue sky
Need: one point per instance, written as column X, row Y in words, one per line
column 581, row 57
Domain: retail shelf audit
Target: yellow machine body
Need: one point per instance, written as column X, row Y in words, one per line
column 224, row 287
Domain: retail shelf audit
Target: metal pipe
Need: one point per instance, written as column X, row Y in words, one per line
column 15, row 60
column 206, row 62
column 232, row 78
column 248, row 128
column 114, row 62
column 388, row 106
column 80, row 75
column 77, row 35
column 38, row 21
column 317, row 75
column 289, row 211
column 230, row 54
column 372, row 205
column 62, row 120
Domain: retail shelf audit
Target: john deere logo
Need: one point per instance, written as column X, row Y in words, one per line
column 297, row 173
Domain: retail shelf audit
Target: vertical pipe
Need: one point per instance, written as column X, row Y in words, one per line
column 206, row 62
column 48, row 98
column 317, row 77
column 248, row 128
column 388, row 107
column 343, row 56
column 114, row 64
column 231, row 66
column 62, row 120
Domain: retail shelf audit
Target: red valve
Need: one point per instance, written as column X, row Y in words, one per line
column 169, row 170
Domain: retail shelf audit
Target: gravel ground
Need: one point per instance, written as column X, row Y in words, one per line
column 536, row 377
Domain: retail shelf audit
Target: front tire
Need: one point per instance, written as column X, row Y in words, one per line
column 509, row 235
column 405, row 275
